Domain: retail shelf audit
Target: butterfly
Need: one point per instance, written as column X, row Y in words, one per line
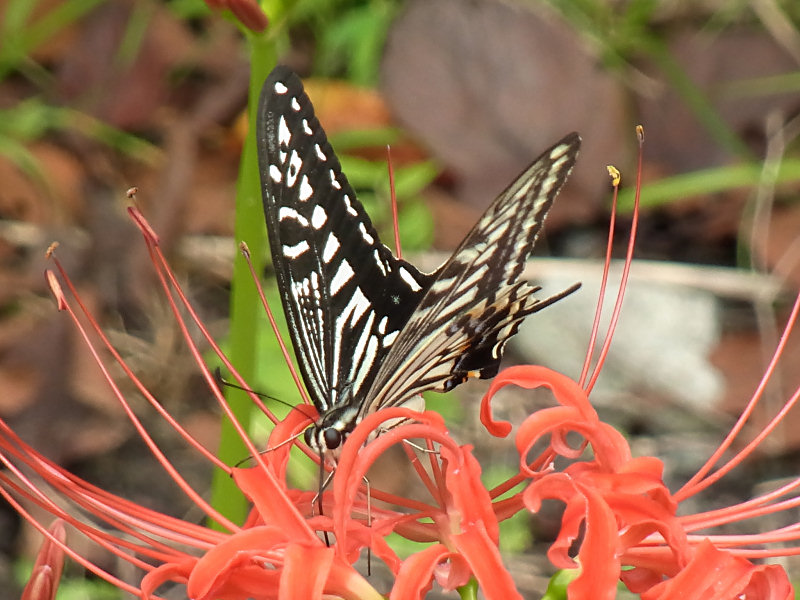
column 370, row 330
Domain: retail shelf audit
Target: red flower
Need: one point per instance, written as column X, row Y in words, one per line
column 278, row 550
column 620, row 522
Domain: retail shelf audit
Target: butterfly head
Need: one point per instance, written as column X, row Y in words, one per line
column 329, row 433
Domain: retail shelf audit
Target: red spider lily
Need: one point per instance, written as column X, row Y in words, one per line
column 619, row 515
column 278, row 551
column 620, row 507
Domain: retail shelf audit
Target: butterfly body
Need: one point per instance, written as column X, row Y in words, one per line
column 370, row 330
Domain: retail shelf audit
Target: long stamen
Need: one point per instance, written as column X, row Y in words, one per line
column 701, row 479
column 591, row 346
column 273, row 324
column 166, row 275
column 623, row 285
column 140, row 429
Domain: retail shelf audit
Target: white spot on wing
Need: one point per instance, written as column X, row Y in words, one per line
column 275, row 173
column 295, row 104
column 306, row 127
column 305, row 190
column 296, row 250
column 366, row 236
column 349, row 206
column 389, row 338
column 334, row 182
column 379, row 262
column 280, row 88
column 318, row 217
column 320, row 153
column 331, row 246
column 343, row 274
column 286, row 212
column 412, row 283
column 284, row 135
column 382, row 325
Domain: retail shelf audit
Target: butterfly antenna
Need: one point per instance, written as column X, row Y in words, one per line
column 393, row 194
column 286, row 356
column 272, row 448
column 224, row 382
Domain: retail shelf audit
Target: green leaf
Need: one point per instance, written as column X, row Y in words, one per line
column 707, row 181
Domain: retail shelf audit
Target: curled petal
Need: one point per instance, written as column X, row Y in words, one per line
column 174, row 571
column 599, row 553
column 566, row 391
column 715, row 574
column 586, row 511
column 345, row 582
column 416, row 574
column 559, row 487
column 249, row 14
column 610, row 448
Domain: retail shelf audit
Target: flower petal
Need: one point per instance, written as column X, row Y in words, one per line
column 715, row 574
column 565, row 390
column 239, row 566
column 416, row 574
column 273, row 504
column 305, row 571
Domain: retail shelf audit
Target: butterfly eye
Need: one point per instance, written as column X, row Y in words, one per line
column 333, row 438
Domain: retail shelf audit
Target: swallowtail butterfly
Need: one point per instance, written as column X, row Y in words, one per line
column 370, row 330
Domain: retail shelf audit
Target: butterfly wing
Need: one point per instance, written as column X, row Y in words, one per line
column 476, row 303
column 345, row 296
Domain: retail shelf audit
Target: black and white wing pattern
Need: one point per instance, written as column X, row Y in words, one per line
column 344, row 294
column 369, row 330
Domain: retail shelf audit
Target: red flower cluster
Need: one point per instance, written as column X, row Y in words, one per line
column 619, row 515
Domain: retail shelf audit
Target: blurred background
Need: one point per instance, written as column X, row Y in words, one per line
column 100, row 95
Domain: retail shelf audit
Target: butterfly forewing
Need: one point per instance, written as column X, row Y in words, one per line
column 345, row 296
column 476, row 302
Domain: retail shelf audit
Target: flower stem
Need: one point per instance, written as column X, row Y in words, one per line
column 245, row 310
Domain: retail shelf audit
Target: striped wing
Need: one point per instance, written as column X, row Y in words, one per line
column 346, row 298
column 476, row 302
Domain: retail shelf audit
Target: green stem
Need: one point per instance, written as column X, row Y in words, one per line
column 245, row 309
column 469, row 591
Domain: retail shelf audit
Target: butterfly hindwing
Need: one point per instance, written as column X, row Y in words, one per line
column 344, row 294
column 476, row 303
